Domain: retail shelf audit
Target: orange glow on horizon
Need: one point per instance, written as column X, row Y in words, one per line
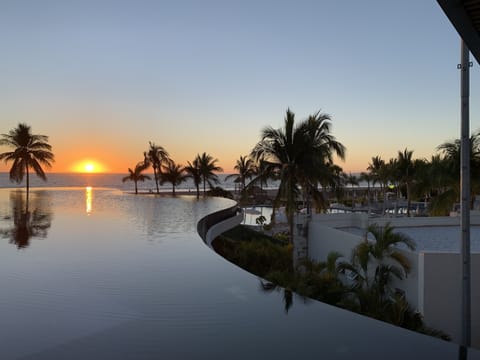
column 88, row 166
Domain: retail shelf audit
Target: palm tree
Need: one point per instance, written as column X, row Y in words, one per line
column 318, row 168
column 262, row 172
column 392, row 177
column 136, row 174
column 377, row 169
column 372, row 288
column 423, row 183
column 193, row 172
column 370, row 179
column 156, row 156
column 245, row 168
column 406, row 171
column 30, row 151
column 27, row 224
column 174, row 174
column 207, row 167
column 351, row 180
column 439, row 173
column 333, row 181
column 443, row 185
column 451, row 151
column 299, row 155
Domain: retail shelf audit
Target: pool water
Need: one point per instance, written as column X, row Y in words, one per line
column 100, row 274
column 251, row 214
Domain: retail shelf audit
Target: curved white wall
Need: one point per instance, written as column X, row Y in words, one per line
column 221, row 227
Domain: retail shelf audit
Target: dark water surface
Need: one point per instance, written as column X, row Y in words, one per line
column 100, row 274
column 114, row 181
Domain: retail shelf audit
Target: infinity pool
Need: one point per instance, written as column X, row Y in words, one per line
column 99, row 274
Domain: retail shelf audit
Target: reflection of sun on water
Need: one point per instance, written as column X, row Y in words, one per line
column 88, row 199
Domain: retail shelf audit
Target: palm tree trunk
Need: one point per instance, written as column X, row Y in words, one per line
column 28, row 188
column 384, row 199
column 369, row 204
column 173, row 189
column 291, row 226
column 204, row 186
column 155, row 175
column 198, row 191
column 409, row 199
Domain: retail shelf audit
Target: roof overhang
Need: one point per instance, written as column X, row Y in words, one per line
column 465, row 17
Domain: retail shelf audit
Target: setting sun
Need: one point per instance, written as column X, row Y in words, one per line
column 88, row 166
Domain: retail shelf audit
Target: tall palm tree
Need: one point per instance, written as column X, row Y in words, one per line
column 136, row 174
column 30, row 151
column 193, row 171
column 377, row 169
column 300, row 154
column 207, row 166
column 174, row 174
column 450, row 169
column 156, row 156
column 423, row 183
column 406, row 171
column 245, row 170
column 451, row 152
column 440, row 185
column 351, row 179
column 392, row 176
column 333, row 181
column 318, row 164
column 370, row 179
column 439, row 173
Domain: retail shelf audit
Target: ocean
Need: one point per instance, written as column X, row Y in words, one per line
column 113, row 181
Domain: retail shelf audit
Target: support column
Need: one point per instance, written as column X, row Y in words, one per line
column 465, row 197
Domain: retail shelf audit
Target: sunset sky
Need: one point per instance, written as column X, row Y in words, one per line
column 103, row 78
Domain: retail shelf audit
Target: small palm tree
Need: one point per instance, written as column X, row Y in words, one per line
column 245, row 170
column 156, row 156
column 174, row 174
column 30, row 151
column 372, row 286
column 193, row 172
column 207, row 166
column 136, row 174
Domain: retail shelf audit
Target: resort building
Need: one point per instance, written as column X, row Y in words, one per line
column 433, row 285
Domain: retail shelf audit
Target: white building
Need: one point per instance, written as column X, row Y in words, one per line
column 434, row 285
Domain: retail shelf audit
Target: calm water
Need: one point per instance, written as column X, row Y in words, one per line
column 100, row 274
column 113, row 181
